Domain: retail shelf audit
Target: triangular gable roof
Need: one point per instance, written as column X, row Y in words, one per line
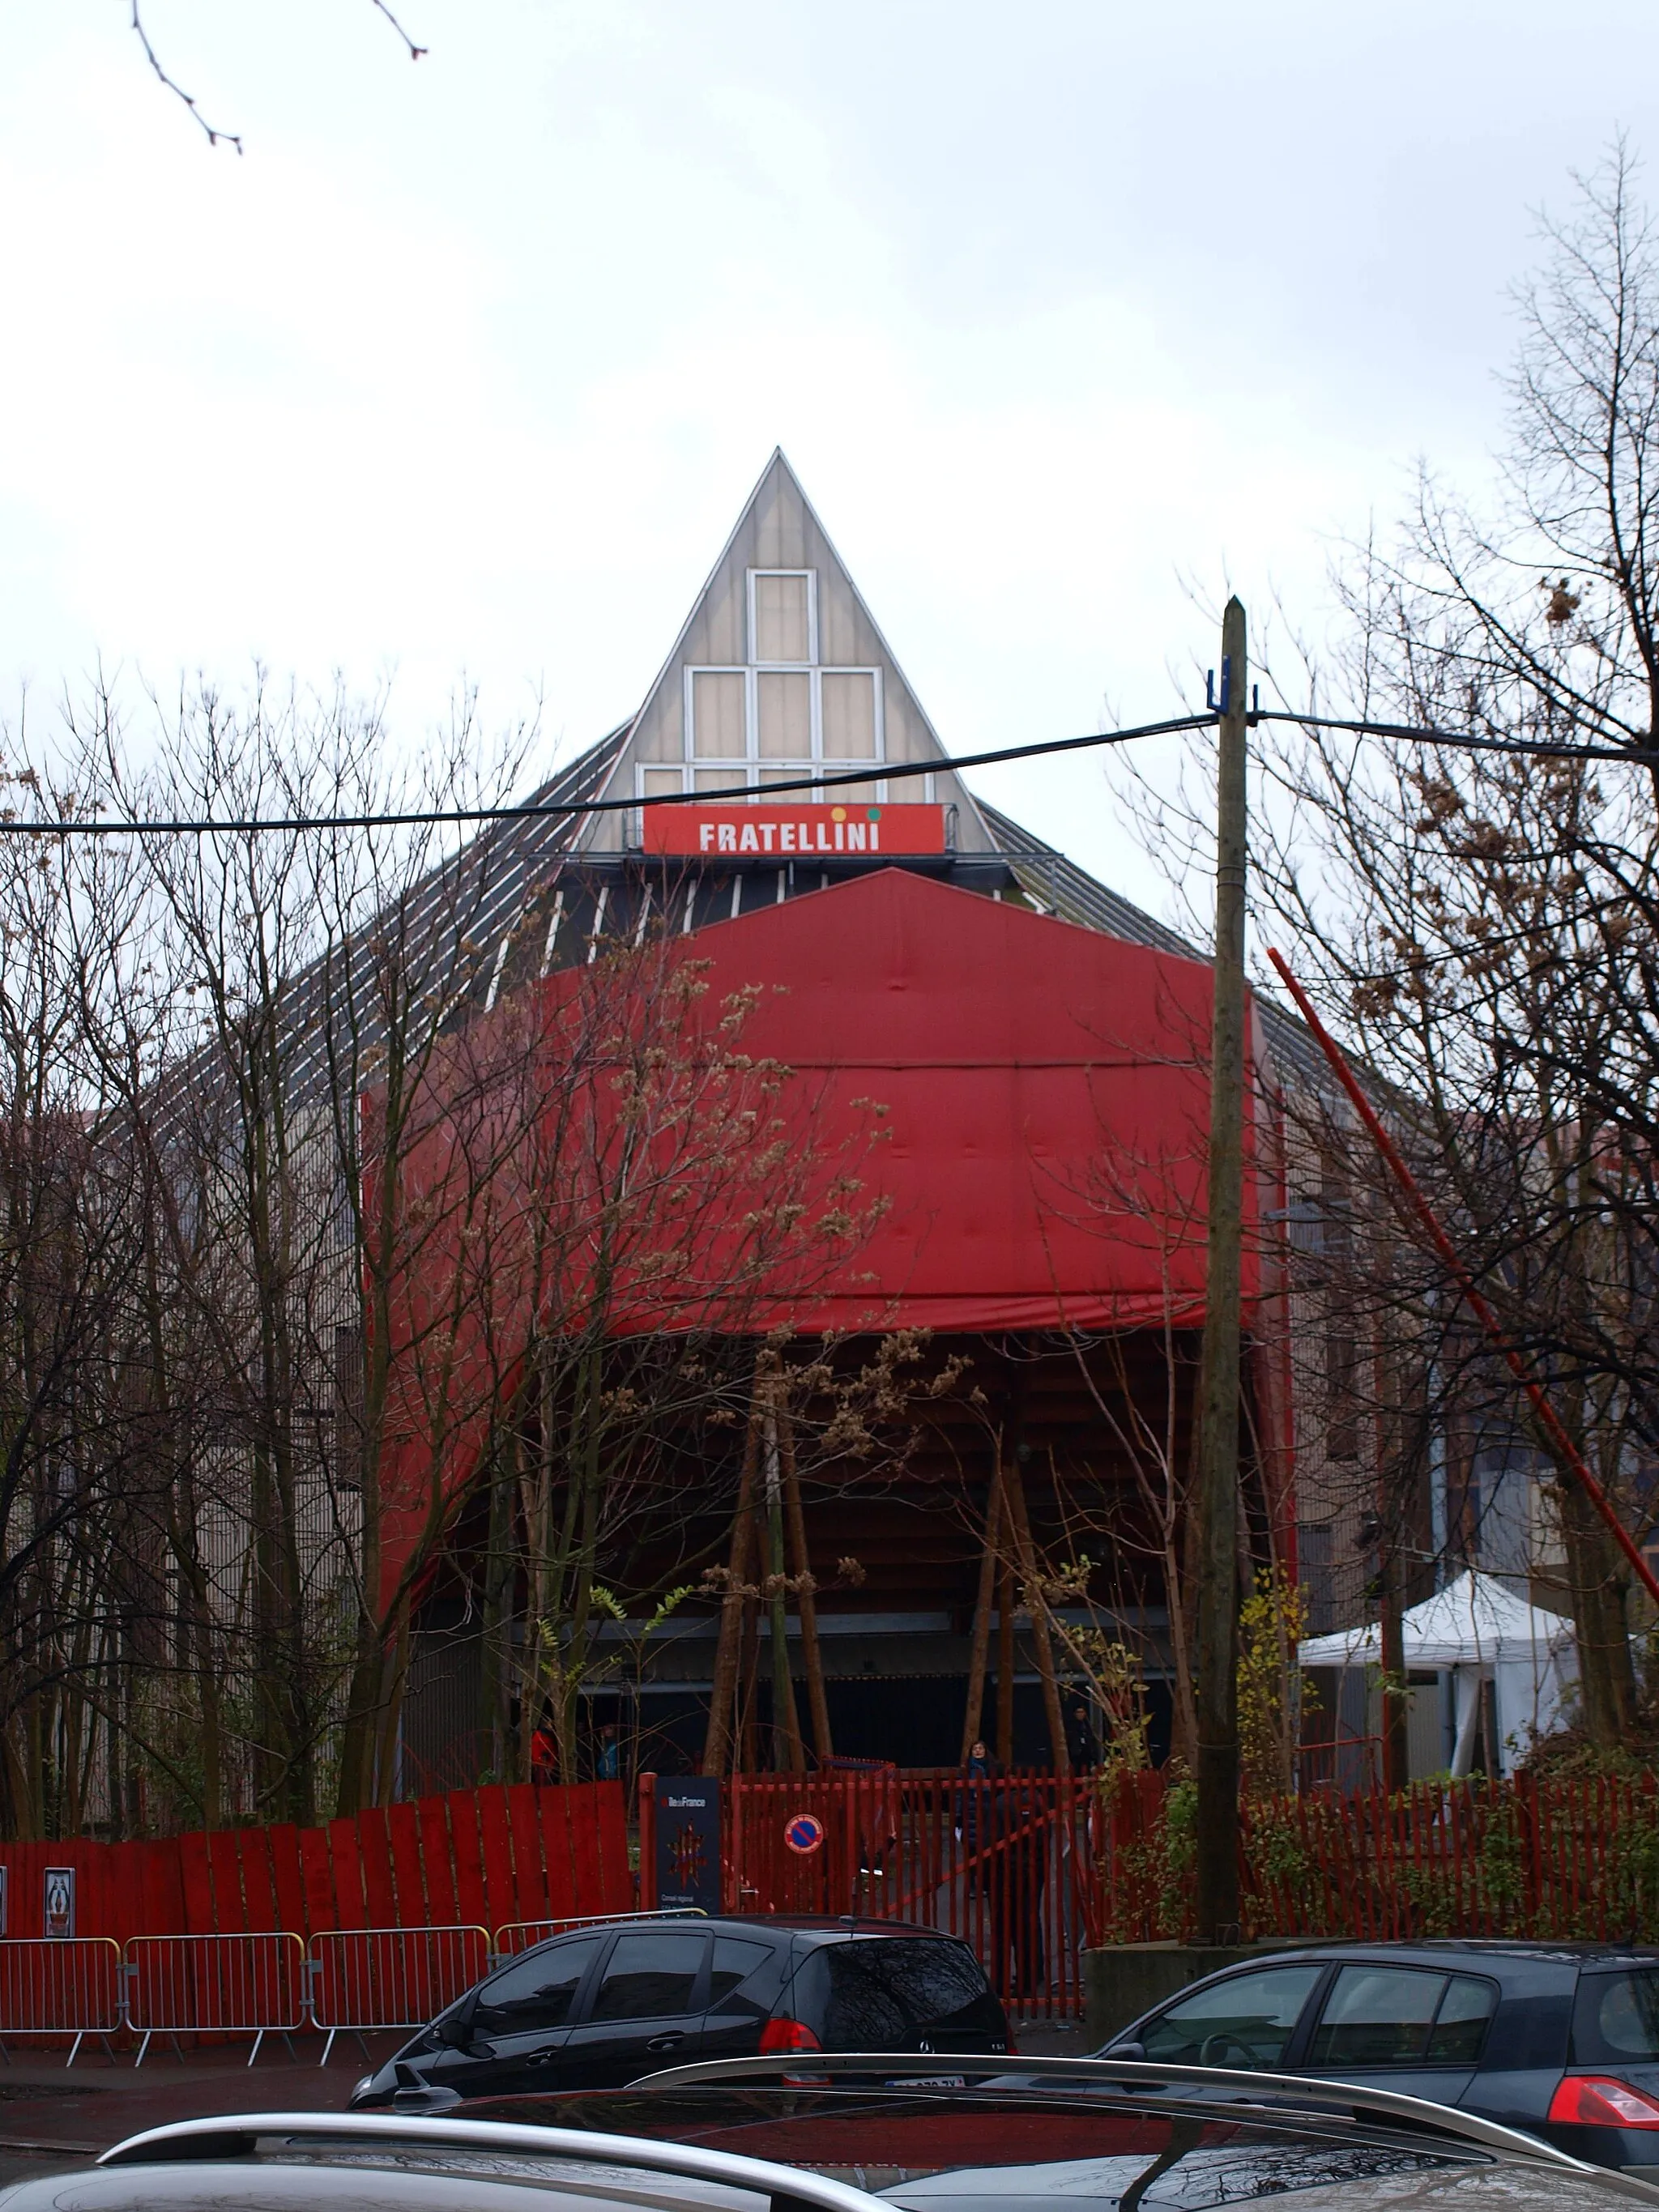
column 780, row 529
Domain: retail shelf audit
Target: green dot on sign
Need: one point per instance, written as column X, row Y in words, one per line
column 875, row 814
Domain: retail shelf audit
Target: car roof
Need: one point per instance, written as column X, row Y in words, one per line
column 1436, row 1950
column 833, row 1926
column 1216, row 2091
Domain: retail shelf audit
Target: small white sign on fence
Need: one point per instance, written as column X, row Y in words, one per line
column 57, row 1903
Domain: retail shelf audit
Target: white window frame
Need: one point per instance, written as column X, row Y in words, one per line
column 811, row 576
column 751, row 756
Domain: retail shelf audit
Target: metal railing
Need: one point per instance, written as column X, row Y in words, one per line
column 62, row 1985
column 364, row 1979
column 355, row 1981
column 514, row 1936
column 215, row 1986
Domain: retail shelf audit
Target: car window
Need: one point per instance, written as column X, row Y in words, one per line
column 1460, row 2026
column 1245, row 2020
column 649, row 1975
column 1377, row 2016
column 860, row 2012
column 734, row 1962
column 535, row 1991
column 1616, row 2016
column 928, row 1980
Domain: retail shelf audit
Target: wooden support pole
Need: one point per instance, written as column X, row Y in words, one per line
column 789, row 1751
column 745, row 1749
column 980, row 1649
column 1005, row 1664
column 1037, row 1605
column 717, row 1744
column 806, row 1604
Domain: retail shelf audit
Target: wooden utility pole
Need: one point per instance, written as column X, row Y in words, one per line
column 1215, row 1503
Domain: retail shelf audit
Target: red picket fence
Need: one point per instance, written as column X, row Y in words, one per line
column 504, row 1852
column 1006, row 1863
column 1558, row 1860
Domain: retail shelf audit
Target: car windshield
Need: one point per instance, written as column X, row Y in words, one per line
column 1615, row 2018
column 937, row 2150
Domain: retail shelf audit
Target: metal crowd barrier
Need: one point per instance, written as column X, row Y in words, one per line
column 61, row 1985
column 216, row 1985
column 351, row 1980
column 366, row 1979
column 515, row 1936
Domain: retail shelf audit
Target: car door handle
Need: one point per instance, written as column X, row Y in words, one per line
column 667, row 2042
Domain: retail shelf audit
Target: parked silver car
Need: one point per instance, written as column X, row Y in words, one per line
column 865, row 2133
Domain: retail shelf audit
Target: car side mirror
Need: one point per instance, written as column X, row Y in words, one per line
column 454, row 2029
column 1125, row 2050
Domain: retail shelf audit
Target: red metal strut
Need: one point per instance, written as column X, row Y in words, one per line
column 1563, row 1445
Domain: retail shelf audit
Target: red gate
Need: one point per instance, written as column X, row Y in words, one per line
column 1006, row 1862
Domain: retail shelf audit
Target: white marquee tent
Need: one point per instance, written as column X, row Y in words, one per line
column 1478, row 1630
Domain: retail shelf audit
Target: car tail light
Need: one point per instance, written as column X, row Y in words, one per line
column 795, row 2035
column 1602, row 2100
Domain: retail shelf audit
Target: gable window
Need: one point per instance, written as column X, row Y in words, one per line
column 782, row 716
column 783, row 616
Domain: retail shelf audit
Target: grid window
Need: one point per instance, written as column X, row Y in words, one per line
column 849, row 714
column 783, row 714
column 782, row 628
column 719, row 714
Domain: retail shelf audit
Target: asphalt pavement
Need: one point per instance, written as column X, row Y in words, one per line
column 54, row 2115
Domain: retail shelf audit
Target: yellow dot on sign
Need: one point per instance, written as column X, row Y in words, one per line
column 838, row 814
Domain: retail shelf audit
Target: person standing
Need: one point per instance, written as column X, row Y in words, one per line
column 985, row 1861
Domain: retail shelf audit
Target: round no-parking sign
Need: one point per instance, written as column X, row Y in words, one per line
column 804, row 1832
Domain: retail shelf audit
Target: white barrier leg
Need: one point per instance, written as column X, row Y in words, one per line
column 75, row 2046
column 258, row 2037
column 328, row 2046
column 143, row 2048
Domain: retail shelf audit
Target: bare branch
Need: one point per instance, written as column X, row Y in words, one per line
column 214, row 136
column 415, row 52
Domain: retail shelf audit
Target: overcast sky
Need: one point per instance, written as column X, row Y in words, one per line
column 1063, row 312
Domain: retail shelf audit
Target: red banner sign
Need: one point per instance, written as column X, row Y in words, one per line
column 787, row 832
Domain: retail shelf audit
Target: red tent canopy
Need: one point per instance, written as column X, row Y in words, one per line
column 1044, row 1096
column 1048, row 1096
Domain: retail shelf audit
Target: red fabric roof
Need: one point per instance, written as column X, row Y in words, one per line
column 1046, row 1093
column 1049, row 1095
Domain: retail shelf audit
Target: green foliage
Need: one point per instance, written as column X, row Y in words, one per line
column 1272, row 1696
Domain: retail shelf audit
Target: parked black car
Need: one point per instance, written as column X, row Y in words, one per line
column 604, row 2005
column 1561, row 2039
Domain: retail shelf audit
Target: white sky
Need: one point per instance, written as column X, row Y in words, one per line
column 1061, row 311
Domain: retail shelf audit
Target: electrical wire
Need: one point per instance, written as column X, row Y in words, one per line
column 883, row 771
column 1460, row 741
column 540, row 809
